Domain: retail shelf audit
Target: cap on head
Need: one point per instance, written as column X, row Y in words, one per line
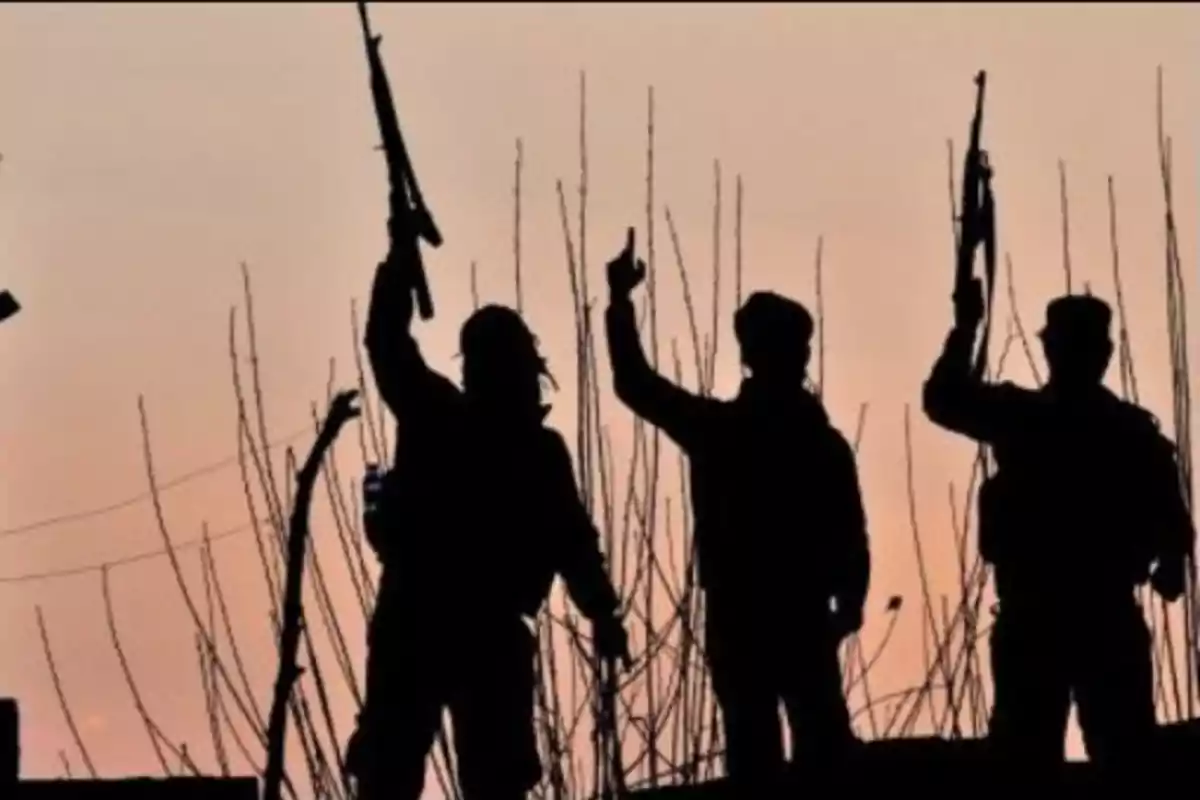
column 767, row 318
column 499, row 335
column 1078, row 317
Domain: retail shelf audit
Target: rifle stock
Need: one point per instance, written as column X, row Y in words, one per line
column 410, row 219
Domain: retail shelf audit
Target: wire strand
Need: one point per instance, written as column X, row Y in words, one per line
column 120, row 562
column 100, row 511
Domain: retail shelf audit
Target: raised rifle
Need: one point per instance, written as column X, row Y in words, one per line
column 409, row 218
column 977, row 226
column 977, row 221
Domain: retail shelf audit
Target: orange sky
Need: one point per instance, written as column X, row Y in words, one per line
column 150, row 149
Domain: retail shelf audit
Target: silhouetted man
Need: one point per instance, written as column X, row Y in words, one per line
column 1085, row 506
column 480, row 511
column 779, row 528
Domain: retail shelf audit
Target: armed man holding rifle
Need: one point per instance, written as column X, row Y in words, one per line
column 478, row 515
column 1085, row 506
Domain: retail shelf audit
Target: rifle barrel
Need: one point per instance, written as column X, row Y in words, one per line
column 975, row 175
column 407, row 206
column 362, row 18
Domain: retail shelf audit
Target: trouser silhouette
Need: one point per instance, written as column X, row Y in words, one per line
column 1100, row 656
column 756, row 665
column 484, row 679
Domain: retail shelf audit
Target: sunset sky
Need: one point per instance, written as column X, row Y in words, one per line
column 149, row 150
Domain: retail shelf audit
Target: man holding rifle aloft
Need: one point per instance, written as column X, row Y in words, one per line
column 1085, row 506
column 478, row 515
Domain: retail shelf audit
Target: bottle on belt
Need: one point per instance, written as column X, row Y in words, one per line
column 372, row 487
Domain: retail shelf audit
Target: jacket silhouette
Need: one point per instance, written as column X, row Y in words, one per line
column 1085, row 506
column 780, row 532
column 478, row 514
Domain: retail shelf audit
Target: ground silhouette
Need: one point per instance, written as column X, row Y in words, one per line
column 954, row 767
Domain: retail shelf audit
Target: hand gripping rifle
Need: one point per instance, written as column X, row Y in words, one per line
column 977, row 222
column 409, row 219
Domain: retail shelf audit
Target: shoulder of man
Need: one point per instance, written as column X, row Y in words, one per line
column 1141, row 418
column 1010, row 405
column 1143, row 427
column 1009, row 392
column 550, row 439
column 836, row 451
column 556, row 474
column 552, row 449
column 837, row 441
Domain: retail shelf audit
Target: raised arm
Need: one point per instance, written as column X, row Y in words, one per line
column 678, row 412
column 953, row 397
column 405, row 382
column 410, row 389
